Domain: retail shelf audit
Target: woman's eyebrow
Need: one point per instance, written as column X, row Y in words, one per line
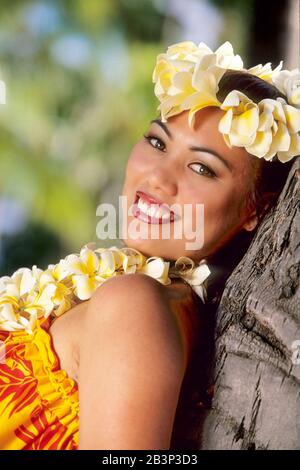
column 213, row 152
column 195, row 148
column 163, row 126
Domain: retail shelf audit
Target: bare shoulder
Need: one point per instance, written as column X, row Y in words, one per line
column 140, row 287
column 130, row 287
column 143, row 299
column 135, row 297
column 110, row 299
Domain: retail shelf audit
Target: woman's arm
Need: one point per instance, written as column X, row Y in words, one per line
column 132, row 363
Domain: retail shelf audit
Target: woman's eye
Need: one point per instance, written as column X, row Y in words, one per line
column 155, row 142
column 203, row 170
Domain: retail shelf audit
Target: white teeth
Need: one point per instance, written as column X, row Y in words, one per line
column 142, row 205
column 159, row 213
column 153, row 210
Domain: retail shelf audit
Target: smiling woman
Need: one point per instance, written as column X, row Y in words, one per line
column 180, row 167
column 120, row 349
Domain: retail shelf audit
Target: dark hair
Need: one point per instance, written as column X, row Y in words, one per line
column 270, row 177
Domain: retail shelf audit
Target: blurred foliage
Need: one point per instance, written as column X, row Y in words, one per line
column 79, row 94
column 32, row 245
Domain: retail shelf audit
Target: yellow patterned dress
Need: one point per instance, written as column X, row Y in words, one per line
column 39, row 406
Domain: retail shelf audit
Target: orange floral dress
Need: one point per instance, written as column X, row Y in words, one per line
column 39, row 406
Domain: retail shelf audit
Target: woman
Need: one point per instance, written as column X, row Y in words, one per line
column 126, row 344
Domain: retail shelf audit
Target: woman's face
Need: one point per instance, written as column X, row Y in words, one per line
column 179, row 166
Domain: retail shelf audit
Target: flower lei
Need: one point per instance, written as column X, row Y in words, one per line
column 186, row 77
column 30, row 294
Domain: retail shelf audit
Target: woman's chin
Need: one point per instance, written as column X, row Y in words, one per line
column 147, row 247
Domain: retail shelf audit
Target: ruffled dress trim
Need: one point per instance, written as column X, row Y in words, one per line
column 46, row 412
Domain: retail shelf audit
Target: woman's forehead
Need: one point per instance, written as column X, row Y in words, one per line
column 205, row 132
column 207, row 117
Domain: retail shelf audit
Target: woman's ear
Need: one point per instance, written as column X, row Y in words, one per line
column 251, row 221
column 255, row 216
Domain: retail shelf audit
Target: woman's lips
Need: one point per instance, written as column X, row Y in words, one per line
column 143, row 203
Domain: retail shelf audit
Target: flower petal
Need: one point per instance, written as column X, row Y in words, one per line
column 261, row 145
column 225, row 122
column 294, row 149
column 246, row 123
column 292, row 115
column 84, row 286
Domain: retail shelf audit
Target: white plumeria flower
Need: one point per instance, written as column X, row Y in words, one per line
column 186, row 76
column 265, row 72
column 24, row 298
column 194, row 276
column 19, row 313
column 226, row 57
column 239, row 124
column 266, row 129
column 61, row 289
column 158, row 269
column 127, row 259
column 4, row 280
column 288, row 82
column 20, row 283
column 83, row 269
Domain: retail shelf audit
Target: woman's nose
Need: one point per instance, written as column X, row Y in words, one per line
column 161, row 178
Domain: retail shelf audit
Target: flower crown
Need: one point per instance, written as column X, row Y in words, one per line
column 187, row 76
column 31, row 294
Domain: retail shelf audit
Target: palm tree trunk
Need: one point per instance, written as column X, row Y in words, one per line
column 256, row 381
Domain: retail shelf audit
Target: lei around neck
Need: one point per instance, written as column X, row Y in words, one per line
column 31, row 294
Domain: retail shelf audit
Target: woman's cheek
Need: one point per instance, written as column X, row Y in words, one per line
column 222, row 217
column 139, row 161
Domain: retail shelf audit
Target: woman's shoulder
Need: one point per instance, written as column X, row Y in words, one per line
column 131, row 295
column 142, row 298
column 67, row 329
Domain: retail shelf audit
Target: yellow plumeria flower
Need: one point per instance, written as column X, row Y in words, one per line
column 266, row 129
column 278, row 131
column 186, row 76
column 265, row 72
column 14, row 315
column 83, row 269
column 21, row 303
column 62, row 296
column 194, row 275
column 288, row 82
column 240, row 123
column 158, row 269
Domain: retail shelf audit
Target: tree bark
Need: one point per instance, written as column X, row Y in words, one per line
column 255, row 379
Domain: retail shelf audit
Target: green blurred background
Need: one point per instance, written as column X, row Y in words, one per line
column 79, row 95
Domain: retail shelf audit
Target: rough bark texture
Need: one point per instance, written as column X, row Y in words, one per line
column 255, row 382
